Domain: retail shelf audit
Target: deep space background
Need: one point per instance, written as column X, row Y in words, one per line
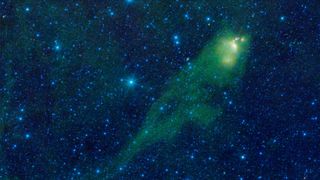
column 78, row 77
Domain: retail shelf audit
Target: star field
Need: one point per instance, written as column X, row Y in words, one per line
column 150, row 89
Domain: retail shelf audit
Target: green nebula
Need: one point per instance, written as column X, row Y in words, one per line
column 189, row 94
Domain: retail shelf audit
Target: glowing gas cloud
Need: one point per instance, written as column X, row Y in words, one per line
column 188, row 97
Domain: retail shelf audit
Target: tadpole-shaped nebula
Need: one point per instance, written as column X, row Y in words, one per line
column 188, row 96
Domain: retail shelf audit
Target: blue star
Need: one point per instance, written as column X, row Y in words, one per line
column 242, row 157
column 314, row 102
column 110, row 12
column 304, row 134
column 20, row 118
column 57, row 46
column 187, row 16
column 314, row 118
column 97, row 171
column 14, row 146
column 131, row 82
column 192, row 157
column 27, row 136
column 176, row 40
column 27, row 9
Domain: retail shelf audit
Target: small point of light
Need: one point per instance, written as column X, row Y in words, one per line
column 131, row 82
column 314, row 118
column 282, row 18
column 243, row 157
column 187, row 16
column 110, row 12
column 14, row 146
column 27, row 9
column 57, row 46
column 129, row 1
column 27, row 136
column 176, row 40
column 98, row 171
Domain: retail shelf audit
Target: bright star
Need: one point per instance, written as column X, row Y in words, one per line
column 243, row 157
column 131, row 82
column 57, row 46
column 176, row 40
